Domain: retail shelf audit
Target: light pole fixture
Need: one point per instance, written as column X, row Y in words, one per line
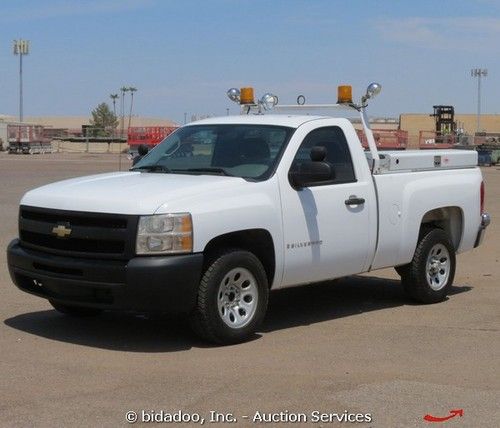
column 479, row 72
column 21, row 47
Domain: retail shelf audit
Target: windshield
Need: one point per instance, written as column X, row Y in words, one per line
column 248, row 151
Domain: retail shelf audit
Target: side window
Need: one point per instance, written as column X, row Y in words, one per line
column 337, row 152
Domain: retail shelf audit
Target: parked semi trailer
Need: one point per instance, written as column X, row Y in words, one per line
column 27, row 139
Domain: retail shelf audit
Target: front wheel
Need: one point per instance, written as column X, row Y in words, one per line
column 232, row 298
column 429, row 276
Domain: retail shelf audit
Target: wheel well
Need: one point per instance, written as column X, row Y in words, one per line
column 257, row 241
column 450, row 219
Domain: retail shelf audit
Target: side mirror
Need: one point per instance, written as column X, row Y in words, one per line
column 312, row 171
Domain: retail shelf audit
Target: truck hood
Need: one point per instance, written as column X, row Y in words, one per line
column 126, row 192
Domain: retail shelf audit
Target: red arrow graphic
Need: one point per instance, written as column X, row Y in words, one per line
column 453, row 413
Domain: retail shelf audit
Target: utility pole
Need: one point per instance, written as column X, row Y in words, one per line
column 479, row 72
column 131, row 89
column 114, row 97
column 21, row 47
column 123, row 89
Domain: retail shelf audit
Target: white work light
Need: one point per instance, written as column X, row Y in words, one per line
column 268, row 101
column 373, row 90
column 234, row 94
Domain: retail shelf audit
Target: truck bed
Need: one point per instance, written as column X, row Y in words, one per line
column 420, row 160
column 404, row 197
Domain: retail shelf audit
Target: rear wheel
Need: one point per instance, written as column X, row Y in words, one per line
column 430, row 274
column 75, row 311
column 232, row 298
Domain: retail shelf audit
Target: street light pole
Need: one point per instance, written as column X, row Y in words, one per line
column 21, row 47
column 131, row 89
column 114, row 97
column 123, row 89
column 479, row 72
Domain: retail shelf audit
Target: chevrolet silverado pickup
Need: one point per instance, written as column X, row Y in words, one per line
column 226, row 209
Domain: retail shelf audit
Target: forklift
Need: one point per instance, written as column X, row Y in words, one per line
column 446, row 126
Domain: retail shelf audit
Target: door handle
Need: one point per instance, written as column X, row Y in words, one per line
column 354, row 200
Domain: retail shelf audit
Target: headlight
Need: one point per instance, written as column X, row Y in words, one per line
column 164, row 234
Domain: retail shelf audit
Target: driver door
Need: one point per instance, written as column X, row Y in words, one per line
column 324, row 235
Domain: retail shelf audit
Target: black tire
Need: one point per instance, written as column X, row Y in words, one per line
column 75, row 311
column 207, row 319
column 431, row 272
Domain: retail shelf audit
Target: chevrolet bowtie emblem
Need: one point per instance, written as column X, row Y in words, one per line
column 62, row 230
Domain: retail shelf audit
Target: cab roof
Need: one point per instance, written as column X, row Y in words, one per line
column 291, row 121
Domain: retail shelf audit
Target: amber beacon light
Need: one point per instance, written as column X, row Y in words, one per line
column 344, row 94
column 246, row 96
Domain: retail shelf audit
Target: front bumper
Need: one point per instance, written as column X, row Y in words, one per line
column 150, row 283
column 485, row 222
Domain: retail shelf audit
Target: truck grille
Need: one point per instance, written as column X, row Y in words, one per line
column 78, row 234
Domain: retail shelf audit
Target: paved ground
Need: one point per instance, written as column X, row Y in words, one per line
column 356, row 345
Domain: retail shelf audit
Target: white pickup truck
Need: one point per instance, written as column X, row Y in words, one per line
column 226, row 209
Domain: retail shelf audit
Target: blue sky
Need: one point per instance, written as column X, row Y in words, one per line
column 183, row 55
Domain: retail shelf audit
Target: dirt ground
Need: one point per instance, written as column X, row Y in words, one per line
column 355, row 346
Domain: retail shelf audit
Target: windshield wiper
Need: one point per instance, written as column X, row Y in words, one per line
column 152, row 168
column 208, row 169
column 163, row 168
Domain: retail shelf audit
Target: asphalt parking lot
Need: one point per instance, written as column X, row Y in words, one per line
column 357, row 345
